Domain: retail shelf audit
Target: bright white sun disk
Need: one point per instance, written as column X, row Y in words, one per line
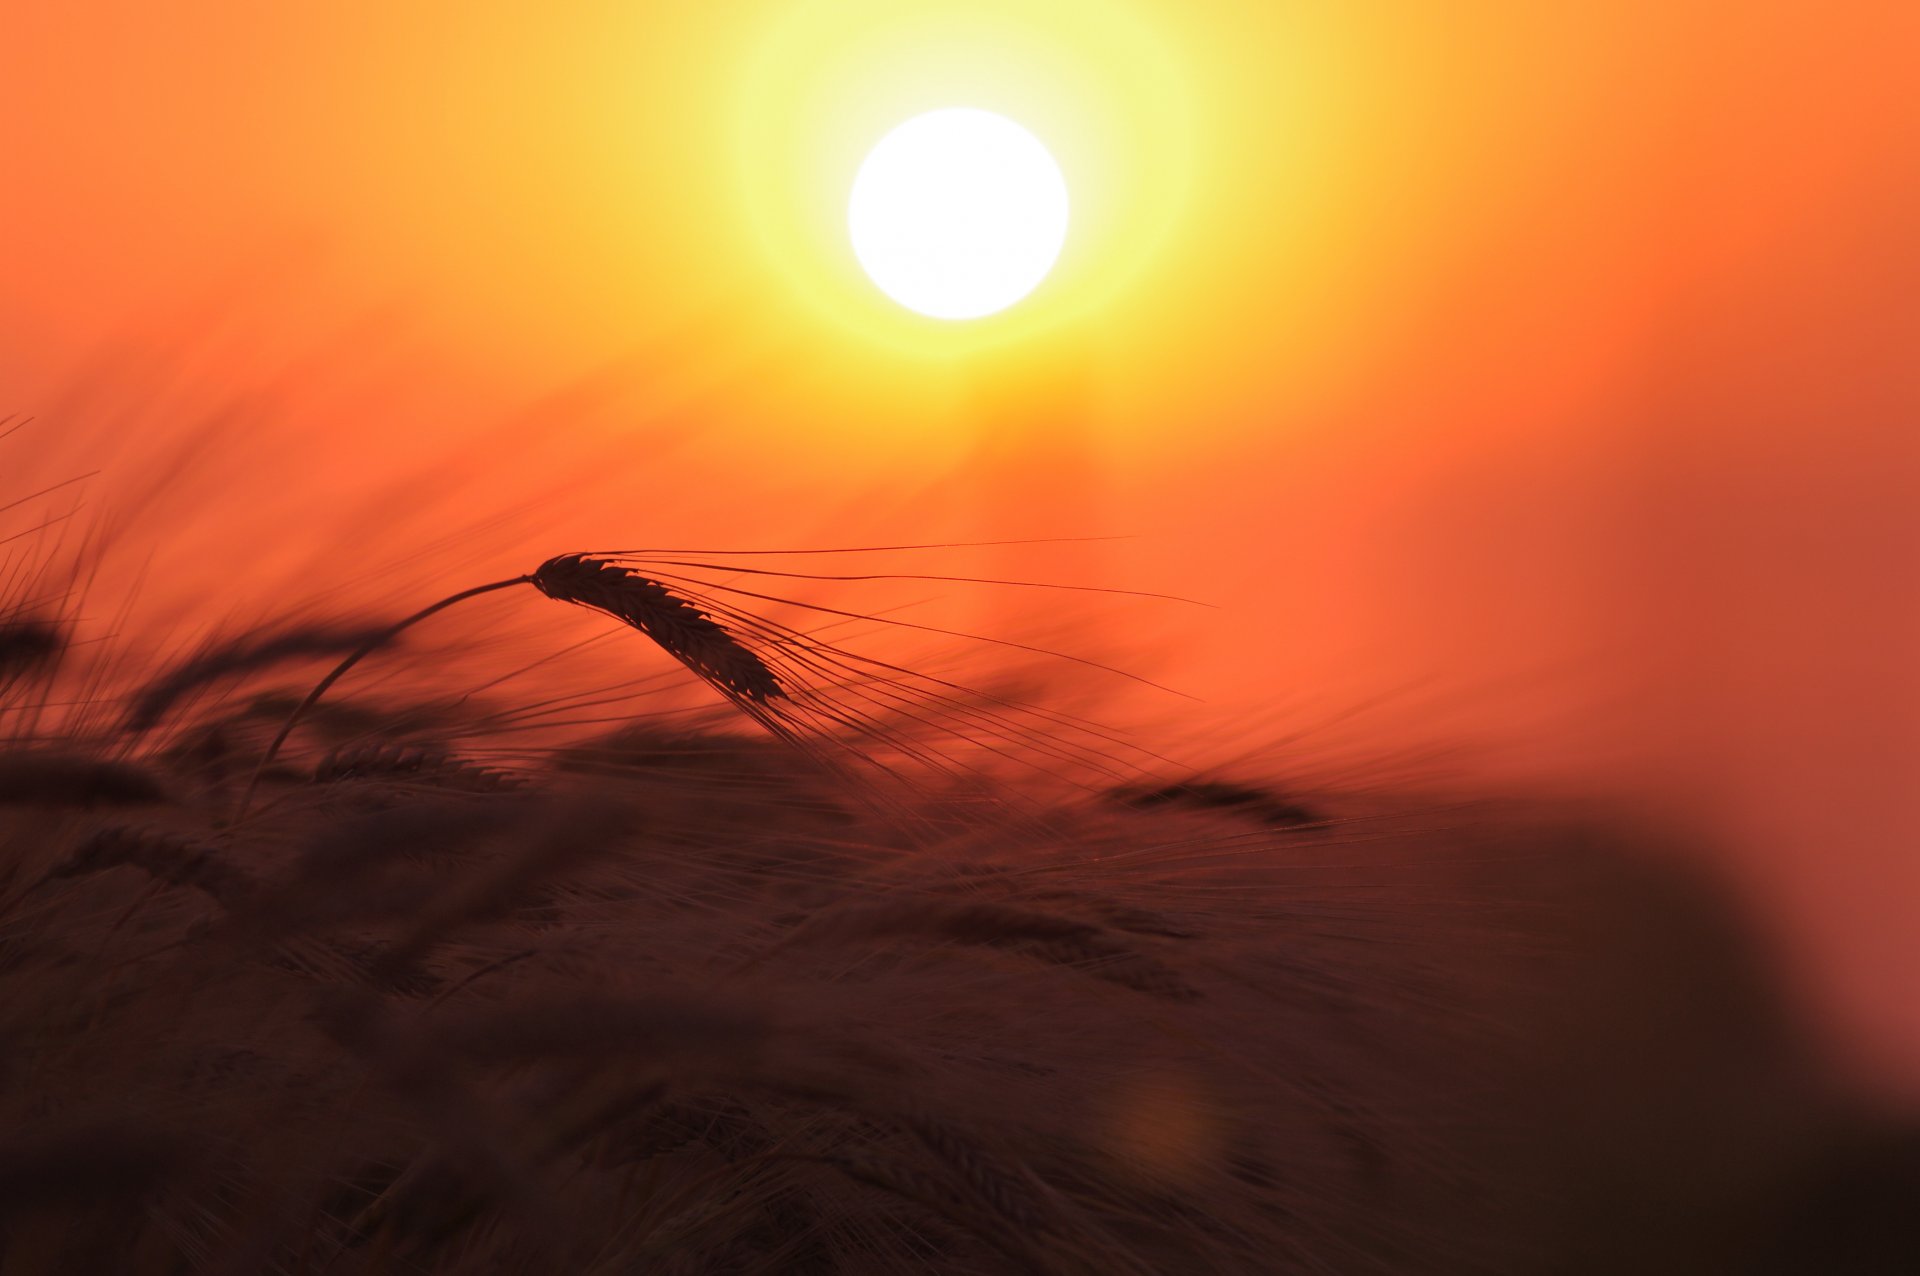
column 958, row 213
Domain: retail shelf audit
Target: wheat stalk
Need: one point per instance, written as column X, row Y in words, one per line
column 682, row 630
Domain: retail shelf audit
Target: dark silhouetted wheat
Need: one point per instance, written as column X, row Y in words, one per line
column 1056, row 940
column 682, row 630
column 165, row 857
column 241, row 656
column 414, row 764
column 685, row 632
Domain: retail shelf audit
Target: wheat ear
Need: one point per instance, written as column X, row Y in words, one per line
column 685, row 632
column 681, row 629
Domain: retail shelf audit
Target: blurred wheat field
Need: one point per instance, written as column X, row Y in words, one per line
column 927, row 980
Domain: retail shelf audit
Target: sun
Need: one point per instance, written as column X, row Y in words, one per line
column 958, row 213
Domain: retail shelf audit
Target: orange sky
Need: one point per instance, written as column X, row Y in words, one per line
column 1540, row 376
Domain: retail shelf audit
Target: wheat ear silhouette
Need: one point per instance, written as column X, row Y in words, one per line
column 682, row 630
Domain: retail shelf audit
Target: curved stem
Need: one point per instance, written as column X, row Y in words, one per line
column 373, row 644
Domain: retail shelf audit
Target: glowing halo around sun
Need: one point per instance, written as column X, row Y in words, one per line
column 958, row 213
column 1105, row 86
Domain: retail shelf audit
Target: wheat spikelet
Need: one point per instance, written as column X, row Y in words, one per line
column 351, row 961
column 163, row 856
column 28, row 645
column 408, row 762
column 1060, row 941
column 1256, row 803
column 234, row 659
column 684, row 631
column 1113, row 913
column 1105, row 959
column 999, row 1188
column 933, row 1193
